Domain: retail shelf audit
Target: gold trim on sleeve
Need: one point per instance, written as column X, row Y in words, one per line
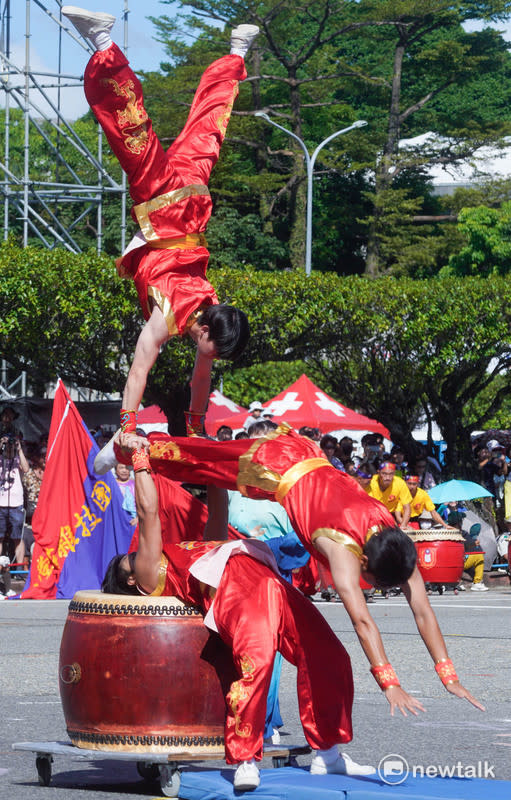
column 163, row 304
column 162, row 576
column 297, row 471
column 342, row 538
column 143, row 210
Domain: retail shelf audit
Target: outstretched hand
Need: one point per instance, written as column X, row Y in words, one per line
column 403, row 701
column 459, row 690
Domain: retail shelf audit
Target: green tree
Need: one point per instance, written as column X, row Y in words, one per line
column 487, row 232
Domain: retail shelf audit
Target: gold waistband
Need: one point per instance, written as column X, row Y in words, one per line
column 144, row 210
column 297, row 471
column 187, row 242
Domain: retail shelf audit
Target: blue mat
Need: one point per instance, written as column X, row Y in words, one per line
column 292, row 783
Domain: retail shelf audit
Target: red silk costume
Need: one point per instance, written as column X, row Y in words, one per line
column 257, row 614
column 282, row 466
column 169, row 189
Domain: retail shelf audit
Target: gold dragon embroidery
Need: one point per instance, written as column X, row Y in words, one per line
column 132, row 119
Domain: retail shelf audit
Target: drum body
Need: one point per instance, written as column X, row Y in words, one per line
column 440, row 554
column 139, row 674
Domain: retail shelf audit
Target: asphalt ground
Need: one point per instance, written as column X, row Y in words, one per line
column 450, row 735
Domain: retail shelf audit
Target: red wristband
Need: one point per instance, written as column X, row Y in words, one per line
column 140, row 461
column 446, row 672
column 194, row 423
column 128, row 421
column 385, row 676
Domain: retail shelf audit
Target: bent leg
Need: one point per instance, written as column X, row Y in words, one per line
column 247, row 612
column 114, row 94
column 324, row 676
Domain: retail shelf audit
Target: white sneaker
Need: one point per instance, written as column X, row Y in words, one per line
column 479, row 587
column 343, row 765
column 246, row 777
column 11, row 593
column 241, row 39
column 274, row 738
column 89, row 23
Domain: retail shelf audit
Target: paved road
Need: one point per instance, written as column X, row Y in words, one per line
column 478, row 633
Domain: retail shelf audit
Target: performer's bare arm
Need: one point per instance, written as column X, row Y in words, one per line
column 405, row 514
column 153, row 335
column 218, row 513
column 345, row 569
column 429, row 629
column 147, row 560
column 200, row 384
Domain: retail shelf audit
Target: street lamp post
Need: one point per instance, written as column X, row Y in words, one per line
column 309, row 161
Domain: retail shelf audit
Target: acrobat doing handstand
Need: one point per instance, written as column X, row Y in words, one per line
column 167, row 258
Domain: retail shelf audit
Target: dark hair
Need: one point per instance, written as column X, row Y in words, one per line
column 305, row 430
column 391, row 557
column 328, row 441
column 242, row 435
column 228, row 329
column 116, row 578
column 224, row 429
column 261, row 428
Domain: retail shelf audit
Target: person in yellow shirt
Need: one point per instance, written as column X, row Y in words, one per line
column 421, row 501
column 392, row 491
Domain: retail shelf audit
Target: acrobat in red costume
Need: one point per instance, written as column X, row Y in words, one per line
column 282, row 466
column 172, row 204
column 257, row 613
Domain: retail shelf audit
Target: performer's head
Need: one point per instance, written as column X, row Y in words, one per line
column 388, row 559
column 120, row 575
column 228, row 329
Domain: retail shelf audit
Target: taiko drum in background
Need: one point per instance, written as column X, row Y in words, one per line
column 143, row 675
column 440, row 554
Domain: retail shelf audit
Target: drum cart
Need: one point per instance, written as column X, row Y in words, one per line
column 160, row 767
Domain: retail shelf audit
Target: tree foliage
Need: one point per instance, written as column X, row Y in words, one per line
column 385, row 347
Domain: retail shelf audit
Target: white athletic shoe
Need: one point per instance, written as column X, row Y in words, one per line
column 343, row 765
column 241, row 39
column 479, row 587
column 89, row 23
column 246, row 777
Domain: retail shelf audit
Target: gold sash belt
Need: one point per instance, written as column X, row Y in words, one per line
column 187, row 242
column 297, row 471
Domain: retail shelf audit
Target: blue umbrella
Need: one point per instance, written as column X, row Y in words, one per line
column 450, row 491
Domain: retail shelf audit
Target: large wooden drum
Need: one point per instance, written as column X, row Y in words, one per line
column 440, row 554
column 139, row 674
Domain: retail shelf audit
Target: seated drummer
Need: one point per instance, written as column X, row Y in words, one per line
column 256, row 613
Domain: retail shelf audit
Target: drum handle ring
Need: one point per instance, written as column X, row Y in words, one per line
column 73, row 675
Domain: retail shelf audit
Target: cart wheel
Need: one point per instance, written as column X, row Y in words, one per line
column 43, row 766
column 170, row 780
column 148, row 770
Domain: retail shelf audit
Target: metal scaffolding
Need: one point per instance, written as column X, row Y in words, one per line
column 35, row 97
column 51, row 207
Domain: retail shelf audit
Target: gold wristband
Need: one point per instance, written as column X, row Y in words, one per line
column 446, row 672
column 385, row 676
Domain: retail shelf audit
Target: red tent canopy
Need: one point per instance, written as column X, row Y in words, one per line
column 219, row 408
column 304, row 403
column 151, row 415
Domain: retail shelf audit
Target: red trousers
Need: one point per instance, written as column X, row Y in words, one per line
column 258, row 613
column 169, row 188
